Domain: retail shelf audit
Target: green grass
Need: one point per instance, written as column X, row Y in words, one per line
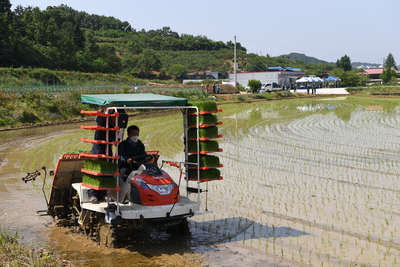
column 13, row 254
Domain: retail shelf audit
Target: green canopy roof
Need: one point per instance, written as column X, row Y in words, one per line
column 134, row 100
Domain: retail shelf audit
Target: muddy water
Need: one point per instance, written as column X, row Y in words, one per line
column 20, row 201
column 299, row 177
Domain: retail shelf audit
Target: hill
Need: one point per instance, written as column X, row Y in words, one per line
column 61, row 38
column 303, row 57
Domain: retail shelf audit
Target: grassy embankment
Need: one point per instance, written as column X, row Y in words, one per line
column 13, row 254
column 28, row 106
column 37, row 96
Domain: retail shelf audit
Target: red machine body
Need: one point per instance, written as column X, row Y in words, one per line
column 151, row 186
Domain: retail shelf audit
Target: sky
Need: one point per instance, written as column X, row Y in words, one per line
column 366, row 31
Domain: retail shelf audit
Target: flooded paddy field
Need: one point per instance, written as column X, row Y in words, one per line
column 306, row 182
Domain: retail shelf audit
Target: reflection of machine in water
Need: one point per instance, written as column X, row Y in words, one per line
column 150, row 197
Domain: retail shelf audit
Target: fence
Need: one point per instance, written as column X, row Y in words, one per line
column 64, row 89
column 131, row 88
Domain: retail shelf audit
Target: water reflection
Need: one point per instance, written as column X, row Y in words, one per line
column 11, row 133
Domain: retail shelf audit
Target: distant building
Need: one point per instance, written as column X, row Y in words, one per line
column 374, row 73
column 197, row 77
column 282, row 69
column 207, row 75
column 279, row 75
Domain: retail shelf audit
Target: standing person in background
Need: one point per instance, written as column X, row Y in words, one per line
column 214, row 90
column 218, row 89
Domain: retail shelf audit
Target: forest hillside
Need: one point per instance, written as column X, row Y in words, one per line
column 61, row 38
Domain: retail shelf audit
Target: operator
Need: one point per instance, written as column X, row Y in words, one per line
column 129, row 148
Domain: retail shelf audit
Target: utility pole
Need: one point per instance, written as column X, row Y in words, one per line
column 234, row 61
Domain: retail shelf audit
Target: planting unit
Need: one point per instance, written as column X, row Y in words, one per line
column 203, row 131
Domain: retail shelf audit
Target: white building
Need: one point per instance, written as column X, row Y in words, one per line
column 279, row 77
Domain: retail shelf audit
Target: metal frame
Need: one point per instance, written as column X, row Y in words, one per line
column 184, row 110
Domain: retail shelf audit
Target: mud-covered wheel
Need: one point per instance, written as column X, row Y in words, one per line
column 182, row 228
column 107, row 236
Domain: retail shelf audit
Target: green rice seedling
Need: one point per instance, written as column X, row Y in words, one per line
column 209, row 132
column 99, row 181
column 203, row 119
column 203, row 106
column 100, row 166
column 205, row 160
column 211, row 174
column 204, row 146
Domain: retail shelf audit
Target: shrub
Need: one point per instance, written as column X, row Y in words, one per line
column 254, row 85
column 125, row 89
column 45, row 76
column 241, row 88
column 262, row 96
column 29, row 117
column 241, row 98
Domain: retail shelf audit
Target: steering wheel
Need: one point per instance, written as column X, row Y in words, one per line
column 139, row 160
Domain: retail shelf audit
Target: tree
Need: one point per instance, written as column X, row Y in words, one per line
column 388, row 75
column 113, row 62
column 149, row 61
column 106, row 49
column 177, row 69
column 6, row 50
column 390, row 63
column 5, row 6
column 256, row 64
column 349, row 78
column 131, row 62
column 254, row 85
column 344, row 63
column 133, row 48
column 90, row 43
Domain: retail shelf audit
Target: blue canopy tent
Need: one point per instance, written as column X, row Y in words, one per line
column 332, row 79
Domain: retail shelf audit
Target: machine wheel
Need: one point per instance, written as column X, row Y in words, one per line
column 182, row 228
column 107, row 235
column 76, row 209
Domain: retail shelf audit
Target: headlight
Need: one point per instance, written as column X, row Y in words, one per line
column 164, row 189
